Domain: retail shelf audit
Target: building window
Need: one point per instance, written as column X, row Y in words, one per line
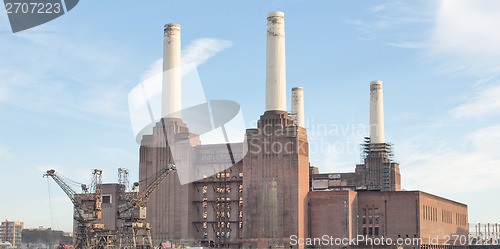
column 205, row 188
column 241, row 214
column 364, row 220
column 241, row 174
column 376, row 231
column 370, row 231
column 205, row 214
column 241, row 188
column 106, row 199
column 364, row 231
column 241, row 224
column 241, row 201
column 205, row 224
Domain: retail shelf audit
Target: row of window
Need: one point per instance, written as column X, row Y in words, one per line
column 461, row 219
column 222, row 205
column 218, row 234
column 369, row 211
column 431, row 213
column 227, row 175
column 371, row 231
column 371, row 220
column 223, row 214
column 446, row 216
column 223, row 224
column 221, row 189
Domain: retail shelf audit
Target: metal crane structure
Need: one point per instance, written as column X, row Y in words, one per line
column 87, row 211
column 134, row 231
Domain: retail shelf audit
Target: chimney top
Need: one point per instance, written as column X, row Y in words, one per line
column 376, row 82
column 171, row 26
column 298, row 89
column 276, row 13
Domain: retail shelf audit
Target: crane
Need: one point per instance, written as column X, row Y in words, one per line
column 135, row 232
column 87, row 210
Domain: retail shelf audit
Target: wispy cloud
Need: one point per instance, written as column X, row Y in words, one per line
column 475, row 159
column 456, row 35
column 200, row 50
column 384, row 19
column 464, row 36
column 145, row 99
column 484, row 103
column 197, row 52
column 47, row 76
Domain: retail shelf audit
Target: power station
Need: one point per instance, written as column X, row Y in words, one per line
column 273, row 198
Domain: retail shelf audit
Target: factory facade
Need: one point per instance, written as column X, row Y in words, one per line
column 272, row 197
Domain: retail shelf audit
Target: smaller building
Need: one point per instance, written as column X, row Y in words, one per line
column 411, row 219
column 11, row 231
column 378, row 172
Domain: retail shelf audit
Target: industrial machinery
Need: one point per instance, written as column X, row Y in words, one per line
column 134, row 231
column 87, row 211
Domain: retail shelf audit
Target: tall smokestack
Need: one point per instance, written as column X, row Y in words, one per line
column 275, row 62
column 376, row 113
column 298, row 106
column 171, row 92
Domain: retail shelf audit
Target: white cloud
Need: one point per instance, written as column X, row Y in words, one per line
column 145, row 98
column 484, row 103
column 465, row 36
column 468, row 165
column 200, row 50
column 197, row 52
column 457, row 35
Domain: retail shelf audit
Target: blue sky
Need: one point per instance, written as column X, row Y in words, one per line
column 64, row 88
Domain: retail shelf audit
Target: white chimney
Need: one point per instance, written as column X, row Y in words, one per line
column 298, row 106
column 171, row 86
column 275, row 62
column 376, row 113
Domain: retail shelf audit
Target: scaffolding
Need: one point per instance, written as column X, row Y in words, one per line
column 367, row 147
